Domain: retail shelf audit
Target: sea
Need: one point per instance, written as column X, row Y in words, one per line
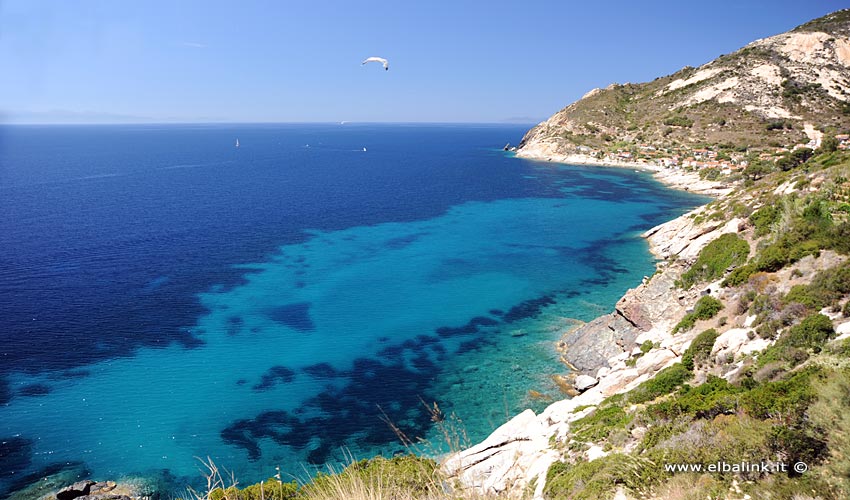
column 319, row 294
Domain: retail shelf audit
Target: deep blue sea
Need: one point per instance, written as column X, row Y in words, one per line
column 165, row 295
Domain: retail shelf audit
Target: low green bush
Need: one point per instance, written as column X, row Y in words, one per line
column 685, row 324
column 700, row 349
column 725, row 251
column 599, row 479
column 664, row 382
column 678, row 121
column 794, row 344
column 782, row 401
column 812, row 332
column 706, row 308
column 270, row 489
column 826, row 288
column 714, row 397
column 600, row 424
column 723, row 438
column 764, row 218
column 740, row 275
column 802, row 294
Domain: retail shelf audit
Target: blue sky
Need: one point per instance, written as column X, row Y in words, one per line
column 299, row 61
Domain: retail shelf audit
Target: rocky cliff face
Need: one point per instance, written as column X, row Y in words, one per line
column 605, row 349
column 781, row 90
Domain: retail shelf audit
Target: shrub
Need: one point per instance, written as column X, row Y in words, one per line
column 685, row 324
column 769, row 372
column 711, row 174
column 739, row 275
column 706, row 308
column 831, row 411
column 725, row 251
column 783, row 401
column 768, row 329
column 599, row 424
column 798, row 444
column 727, row 438
column 812, row 332
column 664, row 382
column 763, row 306
column 773, row 258
column 700, row 349
column 764, row 218
column 712, row 398
column 599, row 479
column 802, row 295
column 270, row 489
column 826, row 288
column 678, row 121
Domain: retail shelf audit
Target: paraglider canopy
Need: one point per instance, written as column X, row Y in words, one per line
column 378, row 60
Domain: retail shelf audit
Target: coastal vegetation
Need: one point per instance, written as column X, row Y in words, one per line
column 778, row 406
column 713, row 261
column 706, row 308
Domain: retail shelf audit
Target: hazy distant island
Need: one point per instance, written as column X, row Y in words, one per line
column 723, row 375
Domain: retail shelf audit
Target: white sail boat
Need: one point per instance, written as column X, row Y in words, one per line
column 237, row 143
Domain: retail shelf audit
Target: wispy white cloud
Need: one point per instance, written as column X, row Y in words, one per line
column 194, row 45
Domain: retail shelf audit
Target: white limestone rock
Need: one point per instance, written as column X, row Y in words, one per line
column 654, row 360
column 508, row 459
column 584, row 382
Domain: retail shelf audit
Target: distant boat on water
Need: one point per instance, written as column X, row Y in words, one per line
column 237, row 143
column 364, row 149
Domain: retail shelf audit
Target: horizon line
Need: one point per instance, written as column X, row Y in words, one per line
column 344, row 122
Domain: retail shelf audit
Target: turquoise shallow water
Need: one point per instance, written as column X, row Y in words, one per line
column 299, row 362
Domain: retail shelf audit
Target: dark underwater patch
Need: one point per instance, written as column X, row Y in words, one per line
column 190, row 341
column 69, row 374
column 15, row 456
column 472, row 345
column 234, row 325
column 471, row 327
column 275, row 375
column 34, row 390
column 5, row 391
column 322, row 370
column 295, row 316
column 403, row 241
column 376, row 392
column 528, row 308
column 74, row 470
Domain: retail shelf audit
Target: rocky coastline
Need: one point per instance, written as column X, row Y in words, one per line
column 605, row 354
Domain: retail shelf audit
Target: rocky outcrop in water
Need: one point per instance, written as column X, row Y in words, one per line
column 93, row 490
